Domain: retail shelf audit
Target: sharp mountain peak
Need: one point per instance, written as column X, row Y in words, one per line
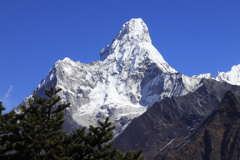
column 133, row 44
column 135, row 29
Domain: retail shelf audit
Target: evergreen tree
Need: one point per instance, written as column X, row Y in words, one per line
column 36, row 130
column 36, row 133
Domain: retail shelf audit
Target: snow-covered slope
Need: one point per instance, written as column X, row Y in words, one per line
column 231, row 77
column 206, row 75
column 130, row 76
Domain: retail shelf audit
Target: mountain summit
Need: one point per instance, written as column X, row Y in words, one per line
column 134, row 43
column 134, row 31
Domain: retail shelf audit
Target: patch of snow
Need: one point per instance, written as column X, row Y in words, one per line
column 206, row 76
column 164, row 147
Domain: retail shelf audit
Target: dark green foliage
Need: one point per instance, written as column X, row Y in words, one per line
column 36, row 133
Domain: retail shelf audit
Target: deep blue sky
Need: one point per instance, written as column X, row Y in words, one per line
column 194, row 37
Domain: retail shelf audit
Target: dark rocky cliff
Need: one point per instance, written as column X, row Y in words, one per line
column 217, row 139
column 172, row 119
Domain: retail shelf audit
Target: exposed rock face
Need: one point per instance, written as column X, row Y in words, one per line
column 131, row 76
column 172, row 119
column 218, row 138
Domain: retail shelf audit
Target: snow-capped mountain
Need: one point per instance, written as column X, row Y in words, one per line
column 231, row 77
column 130, row 76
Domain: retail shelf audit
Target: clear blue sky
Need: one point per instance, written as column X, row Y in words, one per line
column 193, row 36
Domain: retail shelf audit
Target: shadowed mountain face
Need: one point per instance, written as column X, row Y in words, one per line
column 172, row 119
column 218, row 138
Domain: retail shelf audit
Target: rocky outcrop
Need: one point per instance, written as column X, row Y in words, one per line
column 217, row 139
